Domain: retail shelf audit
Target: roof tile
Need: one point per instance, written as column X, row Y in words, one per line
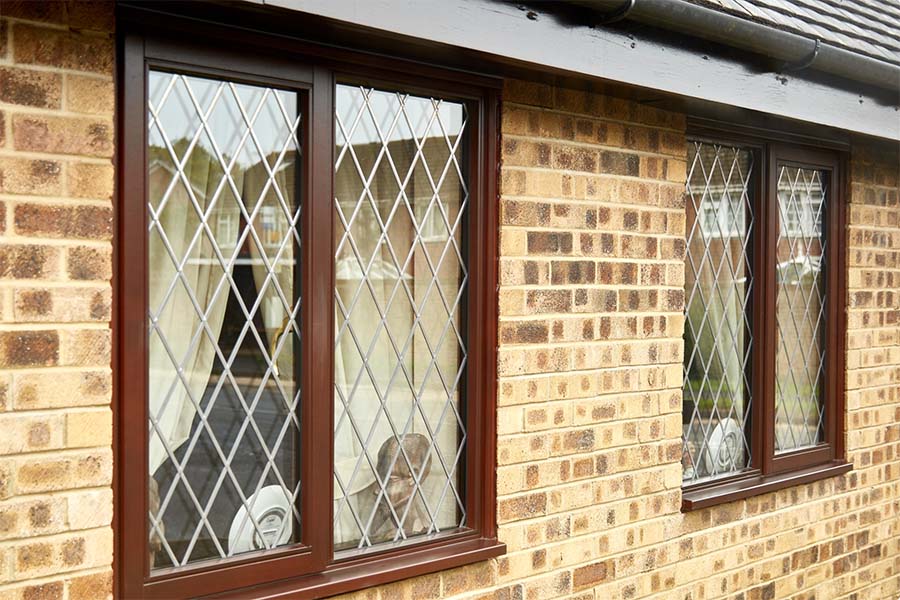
column 870, row 27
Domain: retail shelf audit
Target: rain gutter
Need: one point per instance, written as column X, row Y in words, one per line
column 794, row 52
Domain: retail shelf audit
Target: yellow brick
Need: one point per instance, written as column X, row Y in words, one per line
column 89, row 428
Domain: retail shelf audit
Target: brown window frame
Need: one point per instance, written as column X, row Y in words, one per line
column 308, row 569
column 770, row 472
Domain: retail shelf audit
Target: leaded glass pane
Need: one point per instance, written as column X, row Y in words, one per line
column 800, row 309
column 223, row 321
column 718, row 282
column 400, row 288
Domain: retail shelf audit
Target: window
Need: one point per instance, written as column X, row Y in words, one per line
column 718, row 285
column 763, row 318
column 308, row 351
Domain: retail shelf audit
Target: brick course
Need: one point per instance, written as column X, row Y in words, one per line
column 589, row 402
column 589, row 406
column 56, row 182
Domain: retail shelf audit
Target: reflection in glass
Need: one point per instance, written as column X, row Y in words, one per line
column 400, row 347
column 718, row 282
column 223, row 320
column 800, row 309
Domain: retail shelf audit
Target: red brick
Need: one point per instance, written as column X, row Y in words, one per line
column 619, row 163
column 45, row 220
column 87, row 263
column 524, row 332
column 90, row 94
column 27, row 261
column 90, row 587
column 28, row 10
column 30, row 176
column 4, row 38
column 46, row 591
column 65, row 49
column 522, row 507
column 27, row 87
column 29, row 348
column 91, row 15
column 63, row 135
column 549, row 242
column 89, row 180
column 593, row 574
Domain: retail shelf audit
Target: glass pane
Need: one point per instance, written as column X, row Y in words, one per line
column 717, row 340
column 223, row 319
column 400, row 287
column 800, row 309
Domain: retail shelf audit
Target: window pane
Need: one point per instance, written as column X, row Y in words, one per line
column 400, row 347
column 223, row 320
column 717, row 342
column 800, row 309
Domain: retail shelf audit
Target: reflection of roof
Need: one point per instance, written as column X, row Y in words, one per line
column 869, row 27
column 157, row 163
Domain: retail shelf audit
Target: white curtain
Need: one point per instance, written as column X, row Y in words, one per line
column 271, row 226
column 178, row 322
column 202, row 272
column 385, row 292
column 357, row 384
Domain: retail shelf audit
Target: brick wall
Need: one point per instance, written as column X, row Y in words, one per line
column 589, row 406
column 590, row 364
column 56, row 182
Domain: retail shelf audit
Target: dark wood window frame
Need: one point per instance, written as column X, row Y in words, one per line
column 308, row 569
column 770, row 472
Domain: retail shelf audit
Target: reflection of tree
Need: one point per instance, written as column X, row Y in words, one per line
column 719, row 344
column 716, row 277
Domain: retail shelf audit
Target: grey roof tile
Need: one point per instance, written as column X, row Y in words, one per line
column 870, row 27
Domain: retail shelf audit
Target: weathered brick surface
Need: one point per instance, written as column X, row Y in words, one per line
column 589, row 400
column 589, row 407
column 27, row 87
column 56, row 182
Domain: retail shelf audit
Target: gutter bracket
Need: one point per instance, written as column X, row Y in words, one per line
column 616, row 15
column 804, row 63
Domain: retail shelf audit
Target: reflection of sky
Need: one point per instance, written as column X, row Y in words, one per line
column 180, row 119
column 173, row 97
column 383, row 115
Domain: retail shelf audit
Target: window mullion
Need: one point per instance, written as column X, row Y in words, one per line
column 318, row 267
column 758, row 268
column 768, row 316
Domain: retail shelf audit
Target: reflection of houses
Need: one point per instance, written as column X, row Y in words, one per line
column 225, row 218
column 201, row 192
column 716, row 284
column 417, row 254
column 399, row 230
column 225, row 214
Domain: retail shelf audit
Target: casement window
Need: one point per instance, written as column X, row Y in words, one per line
column 307, row 339
column 764, row 314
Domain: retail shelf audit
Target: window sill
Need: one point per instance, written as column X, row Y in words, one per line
column 728, row 491
column 356, row 575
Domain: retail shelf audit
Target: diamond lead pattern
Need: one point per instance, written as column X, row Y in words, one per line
column 800, row 306
column 223, row 318
column 718, row 283
column 400, row 349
